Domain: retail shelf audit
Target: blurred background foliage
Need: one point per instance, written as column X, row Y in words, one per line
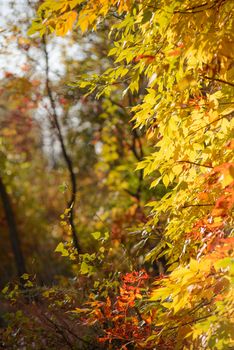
column 98, row 137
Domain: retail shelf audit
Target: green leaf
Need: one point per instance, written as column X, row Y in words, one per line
column 96, row 235
column 63, row 187
column 84, row 268
column 60, row 249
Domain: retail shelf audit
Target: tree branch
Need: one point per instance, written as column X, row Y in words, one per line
column 198, row 205
column 67, row 158
column 193, row 163
column 135, row 137
column 219, row 80
column 196, row 9
column 207, row 125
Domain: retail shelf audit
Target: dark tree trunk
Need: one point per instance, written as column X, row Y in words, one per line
column 13, row 233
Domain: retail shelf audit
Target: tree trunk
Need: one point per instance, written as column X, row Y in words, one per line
column 13, row 233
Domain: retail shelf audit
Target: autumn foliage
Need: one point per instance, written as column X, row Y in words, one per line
column 146, row 231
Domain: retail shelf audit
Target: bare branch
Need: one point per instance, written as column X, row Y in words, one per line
column 67, row 158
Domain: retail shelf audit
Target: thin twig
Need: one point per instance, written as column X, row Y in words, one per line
column 219, row 80
column 206, row 126
column 67, row 158
column 198, row 205
column 194, row 163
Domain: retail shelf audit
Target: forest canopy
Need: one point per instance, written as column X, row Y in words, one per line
column 116, row 176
